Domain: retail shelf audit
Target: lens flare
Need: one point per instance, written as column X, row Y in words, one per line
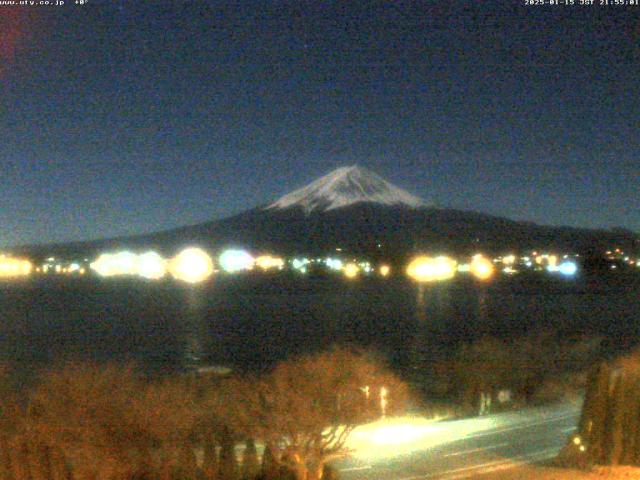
column 191, row 265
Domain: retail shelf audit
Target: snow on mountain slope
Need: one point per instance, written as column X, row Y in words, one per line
column 347, row 186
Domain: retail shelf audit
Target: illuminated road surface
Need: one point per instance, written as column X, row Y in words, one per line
column 417, row 449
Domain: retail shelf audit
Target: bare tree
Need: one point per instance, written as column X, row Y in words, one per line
column 109, row 424
column 305, row 409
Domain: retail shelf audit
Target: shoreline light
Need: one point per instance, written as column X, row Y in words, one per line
column 351, row 270
column 430, row 269
column 481, row 267
column 113, row 264
column 232, row 261
column 151, row 265
column 191, row 265
column 567, row 268
column 14, row 267
column 267, row 262
column 148, row 265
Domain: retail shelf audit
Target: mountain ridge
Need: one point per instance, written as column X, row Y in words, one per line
column 346, row 186
column 356, row 210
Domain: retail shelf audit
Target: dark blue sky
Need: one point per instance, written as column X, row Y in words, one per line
column 130, row 117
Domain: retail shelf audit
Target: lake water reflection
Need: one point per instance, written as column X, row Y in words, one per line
column 252, row 322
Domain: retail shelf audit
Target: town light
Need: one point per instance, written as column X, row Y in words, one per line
column 14, row 267
column 429, row 269
column 151, row 265
column 334, row 264
column 233, row 261
column 351, row 270
column 267, row 262
column 509, row 260
column 567, row 268
column 481, row 267
column 191, row 265
column 385, row 270
column 111, row 264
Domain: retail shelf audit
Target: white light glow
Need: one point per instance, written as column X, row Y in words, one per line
column 112, row 264
column 233, row 261
column 152, row 266
column 393, row 437
column 148, row 265
column 191, row 265
column 14, row 267
column 567, row 268
column 334, row 264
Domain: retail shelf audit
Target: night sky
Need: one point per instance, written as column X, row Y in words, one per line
column 130, row 117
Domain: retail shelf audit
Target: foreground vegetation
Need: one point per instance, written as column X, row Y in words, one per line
column 97, row 422
column 109, row 422
column 538, row 368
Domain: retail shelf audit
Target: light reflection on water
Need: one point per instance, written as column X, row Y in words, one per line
column 252, row 324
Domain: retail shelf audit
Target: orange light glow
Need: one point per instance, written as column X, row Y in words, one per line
column 351, row 270
column 482, row 268
column 429, row 269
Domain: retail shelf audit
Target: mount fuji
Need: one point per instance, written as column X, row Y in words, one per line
column 344, row 187
column 356, row 210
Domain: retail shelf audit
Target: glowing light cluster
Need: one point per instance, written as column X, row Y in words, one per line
column 14, row 267
column 509, row 259
column 334, row 264
column 267, row 262
column 300, row 264
column 385, row 270
column 365, row 267
column 152, row 266
column 481, row 267
column 429, row 269
column 113, row 264
column 567, row 268
column 191, row 265
column 233, row 261
column 351, row 270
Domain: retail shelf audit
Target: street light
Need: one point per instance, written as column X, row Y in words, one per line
column 383, row 401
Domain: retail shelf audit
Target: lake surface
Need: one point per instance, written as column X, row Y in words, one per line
column 253, row 321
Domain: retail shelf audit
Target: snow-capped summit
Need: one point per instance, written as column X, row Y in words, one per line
column 347, row 186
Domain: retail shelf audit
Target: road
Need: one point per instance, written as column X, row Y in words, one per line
column 416, row 449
